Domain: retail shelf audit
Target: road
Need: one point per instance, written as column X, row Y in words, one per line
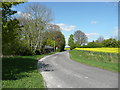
column 59, row 71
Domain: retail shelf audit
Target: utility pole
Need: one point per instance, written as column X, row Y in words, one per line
column 54, row 46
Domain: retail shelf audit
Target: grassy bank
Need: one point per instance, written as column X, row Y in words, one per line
column 21, row 72
column 107, row 61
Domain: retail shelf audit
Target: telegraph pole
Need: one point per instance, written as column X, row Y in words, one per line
column 54, row 46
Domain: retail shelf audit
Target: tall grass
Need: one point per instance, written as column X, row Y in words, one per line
column 107, row 61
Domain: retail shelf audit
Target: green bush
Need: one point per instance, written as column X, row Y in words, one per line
column 72, row 46
column 92, row 45
column 110, row 43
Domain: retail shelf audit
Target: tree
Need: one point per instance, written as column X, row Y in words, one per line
column 10, row 28
column 118, row 43
column 35, row 26
column 50, row 42
column 59, row 39
column 52, row 27
column 100, row 39
column 71, row 42
column 80, row 38
column 55, row 37
column 94, row 45
column 6, row 10
column 110, row 42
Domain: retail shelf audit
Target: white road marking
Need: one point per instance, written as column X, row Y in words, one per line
column 59, row 85
column 77, row 75
column 86, row 77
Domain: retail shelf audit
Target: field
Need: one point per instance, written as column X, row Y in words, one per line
column 66, row 48
column 102, row 60
column 108, row 50
column 21, row 72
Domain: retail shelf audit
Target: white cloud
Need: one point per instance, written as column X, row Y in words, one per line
column 25, row 15
column 90, row 35
column 93, row 22
column 61, row 24
column 13, row 8
column 65, row 27
column 106, row 38
column 19, row 12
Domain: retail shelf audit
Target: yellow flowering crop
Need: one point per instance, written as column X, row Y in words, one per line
column 66, row 48
column 109, row 50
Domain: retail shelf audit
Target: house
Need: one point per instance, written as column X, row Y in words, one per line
column 48, row 49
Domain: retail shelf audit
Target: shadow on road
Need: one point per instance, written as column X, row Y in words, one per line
column 45, row 67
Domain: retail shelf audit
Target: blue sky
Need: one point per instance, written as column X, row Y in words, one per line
column 93, row 18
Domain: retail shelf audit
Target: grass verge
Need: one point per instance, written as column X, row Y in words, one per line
column 21, row 72
column 102, row 60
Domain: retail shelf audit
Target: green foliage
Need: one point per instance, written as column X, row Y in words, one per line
column 110, row 43
column 72, row 46
column 118, row 43
column 10, row 29
column 71, row 42
column 6, row 10
column 23, row 49
column 105, row 43
column 28, row 36
column 59, row 39
column 50, row 42
column 107, row 61
column 94, row 45
column 21, row 72
column 34, row 32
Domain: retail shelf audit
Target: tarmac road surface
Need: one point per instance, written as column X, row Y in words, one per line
column 59, row 71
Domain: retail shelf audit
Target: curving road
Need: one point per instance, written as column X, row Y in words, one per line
column 59, row 71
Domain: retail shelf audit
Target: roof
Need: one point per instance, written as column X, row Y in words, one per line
column 48, row 47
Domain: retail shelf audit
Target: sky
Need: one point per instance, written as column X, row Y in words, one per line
column 93, row 18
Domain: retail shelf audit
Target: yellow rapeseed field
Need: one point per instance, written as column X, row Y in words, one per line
column 109, row 50
column 66, row 48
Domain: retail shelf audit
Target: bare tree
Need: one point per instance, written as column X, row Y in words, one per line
column 35, row 20
column 80, row 38
column 100, row 39
column 53, row 27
